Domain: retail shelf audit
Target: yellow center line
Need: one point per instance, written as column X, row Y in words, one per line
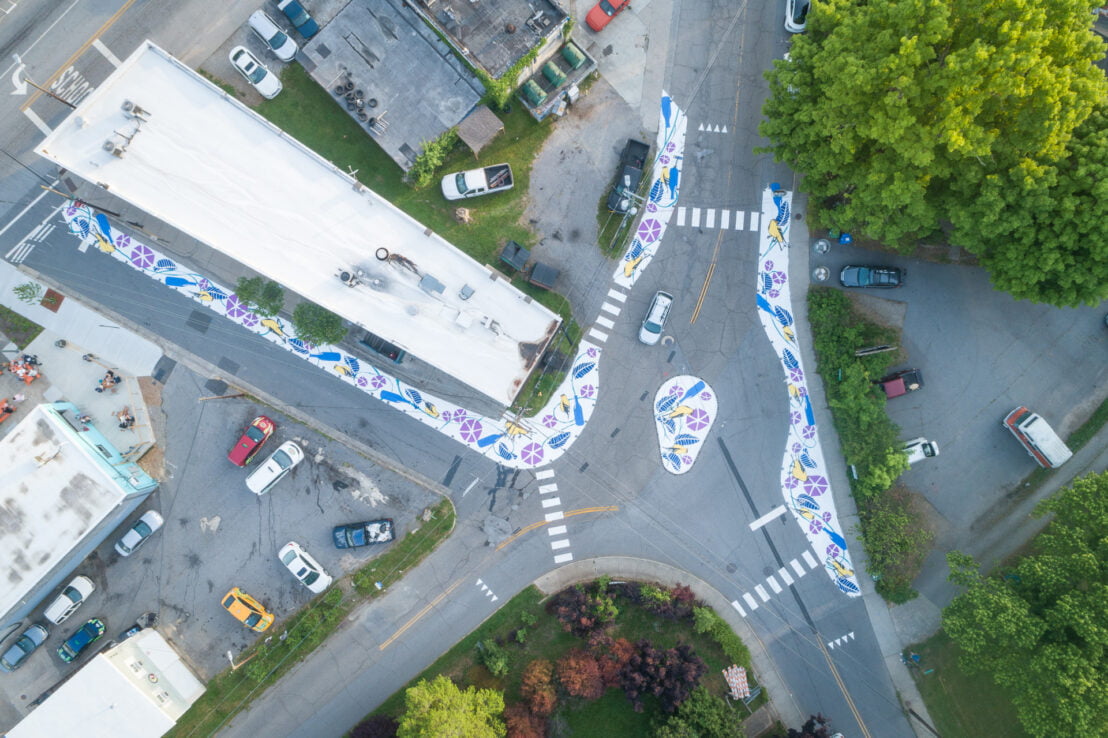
column 430, row 606
column 84, row 47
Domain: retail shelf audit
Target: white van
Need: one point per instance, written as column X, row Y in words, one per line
column 1038, row 438
column 72, row 597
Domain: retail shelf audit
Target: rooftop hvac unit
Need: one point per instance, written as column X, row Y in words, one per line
column 350, row 277
column 113, row 148
column 132, row 110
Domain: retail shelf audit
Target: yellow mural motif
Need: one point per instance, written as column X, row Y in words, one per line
column 842, row 571
column 679, row 412
column 563, row 404
column 798, row 471
column 104, row 244
column 274, row 326
column 775, row 232
column 515, row 429
column 344, row 370
column 629, row 267
column 430, row 409
column 204, row 296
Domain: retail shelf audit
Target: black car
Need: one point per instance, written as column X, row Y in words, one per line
column 354, row 535
column 871, row 276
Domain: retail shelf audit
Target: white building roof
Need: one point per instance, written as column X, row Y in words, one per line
column 53, row 492
column 136, row 690
column 211, row 167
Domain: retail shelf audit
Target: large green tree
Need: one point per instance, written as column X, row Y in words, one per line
column 1041, row 630
column 439, row 708
column 909, row 118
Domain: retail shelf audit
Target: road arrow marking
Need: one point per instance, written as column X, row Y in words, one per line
column 18, row 82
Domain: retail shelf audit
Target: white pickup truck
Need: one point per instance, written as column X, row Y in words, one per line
column 475, row 182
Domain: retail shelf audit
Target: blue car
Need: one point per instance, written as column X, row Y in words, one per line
column 299, row 16
column 85, row 636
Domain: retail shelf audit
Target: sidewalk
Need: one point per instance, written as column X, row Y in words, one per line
column 65, row 375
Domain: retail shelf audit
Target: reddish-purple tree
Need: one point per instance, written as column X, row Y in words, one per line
column 579, row 675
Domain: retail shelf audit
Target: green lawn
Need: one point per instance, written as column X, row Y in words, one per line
column 961, row 705
column 18, row 329
column 311, row 115
column 612, row 715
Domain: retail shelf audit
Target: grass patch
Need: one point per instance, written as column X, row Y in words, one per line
column 961, row 705
column 1089, row 428
column 612, row 715
column 261, row 665
column 312, row 115
column 18, row 329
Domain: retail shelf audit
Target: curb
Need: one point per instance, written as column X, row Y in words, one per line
column 782, row 703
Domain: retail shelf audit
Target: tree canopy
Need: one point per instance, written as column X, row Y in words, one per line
column 1041, row 631
column 439, row 708
column 981, row 121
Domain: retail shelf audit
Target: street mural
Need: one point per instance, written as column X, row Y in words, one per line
column 804, row 483
column 684, row 410
column 517, row 443
column 662, row 198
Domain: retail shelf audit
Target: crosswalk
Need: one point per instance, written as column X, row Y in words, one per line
column 784, row 574
column 725, row 219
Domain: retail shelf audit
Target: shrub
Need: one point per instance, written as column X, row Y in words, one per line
column 28, row 292
column 266, row 298
column 317, row 325
column 377, row 726
column 611, row 656
column 537, row 687
column 707, row 621
column 669, row 675
column 581, row 612
column 579, row 675
column 431, row 158
column 494, row 658
column 522, row 723
column 896, row 540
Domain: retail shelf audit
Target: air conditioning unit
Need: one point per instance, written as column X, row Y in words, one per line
column 113, row 148
column 132, row 110
column 350, row 277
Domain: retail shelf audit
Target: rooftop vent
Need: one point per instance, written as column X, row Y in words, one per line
column 132, row 110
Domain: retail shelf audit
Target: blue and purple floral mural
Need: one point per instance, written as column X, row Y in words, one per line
column 518, row 443
column 684, row 410
column 804, row 482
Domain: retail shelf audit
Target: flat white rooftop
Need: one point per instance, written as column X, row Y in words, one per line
column 52, row 494
column 209, row 166
column 137, row 689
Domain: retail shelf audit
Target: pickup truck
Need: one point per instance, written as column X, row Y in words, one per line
column 901, row 383
column 475, row 182
column 299, row 16
column 631, row 165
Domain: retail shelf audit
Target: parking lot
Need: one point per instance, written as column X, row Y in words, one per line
column 219, row 535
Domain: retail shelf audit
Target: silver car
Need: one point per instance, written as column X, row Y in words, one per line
column 143, row 528
column 283, row 47
column 23, row 647
column 655, row 320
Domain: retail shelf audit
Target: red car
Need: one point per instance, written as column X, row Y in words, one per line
column 255, row 435
column 604, row 11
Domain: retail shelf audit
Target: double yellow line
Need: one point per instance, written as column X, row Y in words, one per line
column 77, row 54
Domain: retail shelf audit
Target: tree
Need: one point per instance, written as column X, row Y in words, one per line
column 669, row 675
column 522, row 723
column 579, row 675
column 1041, row 631
column 266, row 298
column 611, row 655
column 702, row 715
column 439, row 708
column 928, row 123
column 377, row 726
column 317, row 325
column 537, row 687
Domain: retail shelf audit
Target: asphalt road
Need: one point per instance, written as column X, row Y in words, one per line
column 980, row 351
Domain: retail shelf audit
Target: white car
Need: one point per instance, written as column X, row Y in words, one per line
column 655, row 320
column 796, row 15
column 919, row 449
column 273, row 469
column 72, row 597
column 143, row 528
column 304, row 567
column 264, row 81
column 283, row 47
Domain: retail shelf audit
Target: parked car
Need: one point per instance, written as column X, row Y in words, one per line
column 304, row 567
column 355, row 535
column 252, row 440
column 283, row 47
column 601, row 15
column 901, row 383
column 23, row 647
column 274, row 469
column 651, row 331
column 871, row 276
column 256, row 73
column 85, row 636
column 72, row 597
column 143, row 528
column 796, row 15
column 247, row 610
column 919, row 449
column 299, row 16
